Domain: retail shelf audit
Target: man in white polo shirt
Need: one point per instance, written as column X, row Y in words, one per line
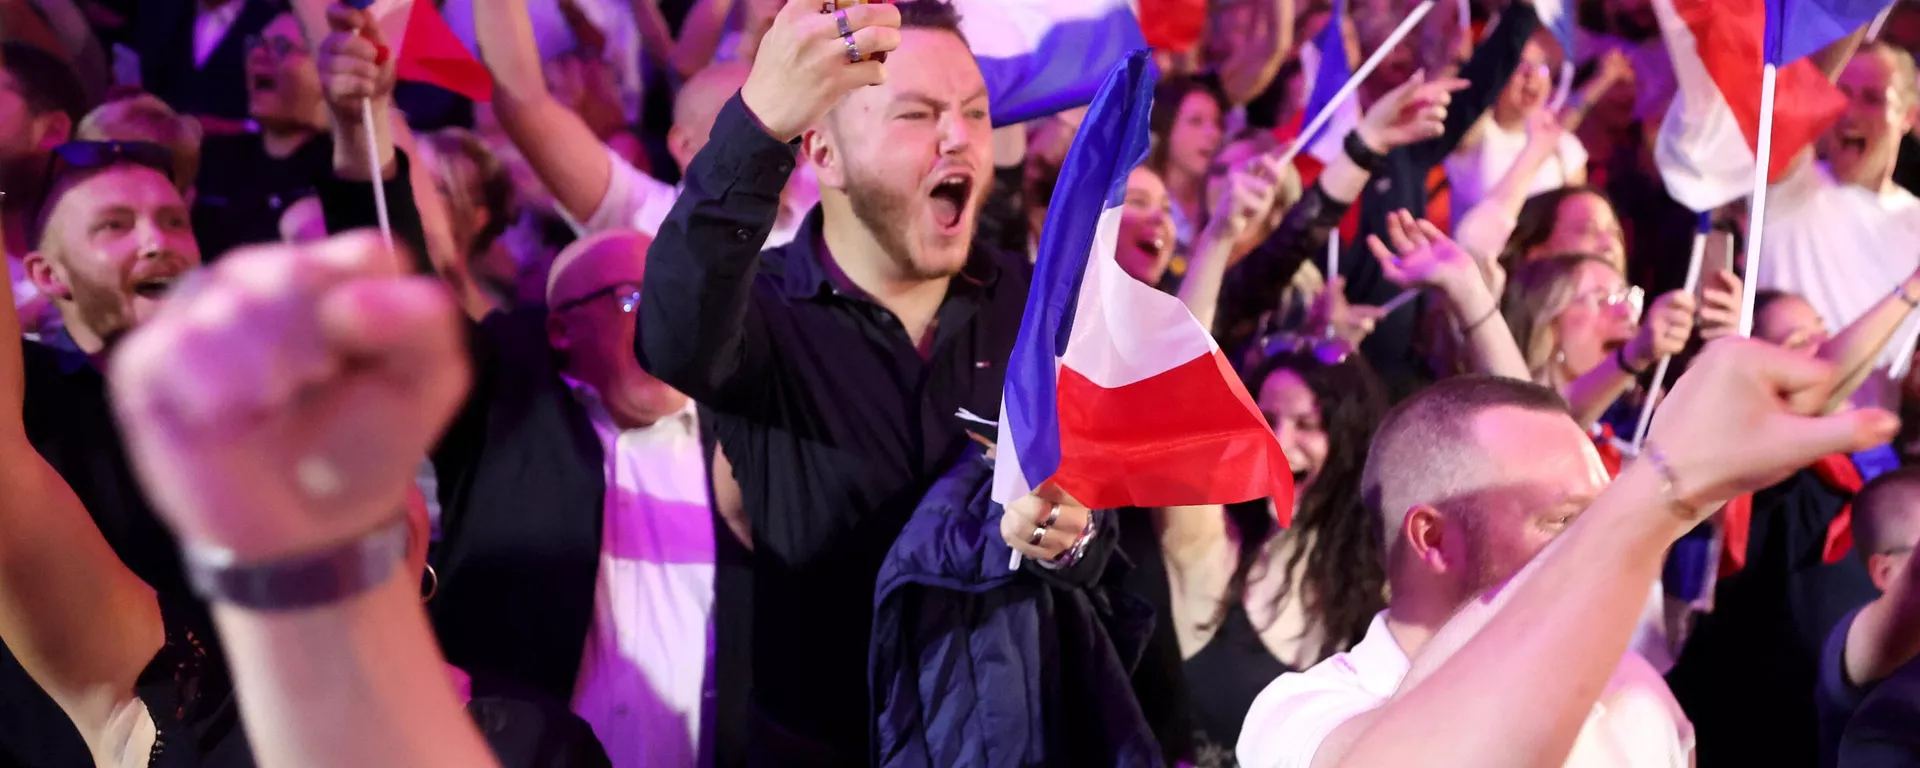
column 1838, row 231
column 593, row 187
column 1473, row 477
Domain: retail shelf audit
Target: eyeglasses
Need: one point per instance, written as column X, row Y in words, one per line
column 1630, row 296
column 627, row 293
column 75, row 156
column 277, row 47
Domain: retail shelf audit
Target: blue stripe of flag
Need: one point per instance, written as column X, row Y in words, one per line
column 1112, row 140
column 1064, row 70
column 1797, row 29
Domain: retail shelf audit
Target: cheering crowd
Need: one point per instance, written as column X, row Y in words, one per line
column 628, row 394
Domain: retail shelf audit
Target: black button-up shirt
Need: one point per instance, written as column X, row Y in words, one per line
column 834, row 422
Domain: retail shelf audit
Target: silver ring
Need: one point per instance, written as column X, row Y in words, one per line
column 853, row 51
column 1052, row 517
column 1038, row 534
column 840, row 18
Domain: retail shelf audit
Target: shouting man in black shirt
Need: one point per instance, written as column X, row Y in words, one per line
column 847, row 369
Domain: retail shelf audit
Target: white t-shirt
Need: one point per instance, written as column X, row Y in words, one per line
column 637, row 201
column 1473, row 171
column 1843, row 248
column 1632, row 725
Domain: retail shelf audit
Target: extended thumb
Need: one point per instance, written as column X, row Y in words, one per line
column 1849, row 432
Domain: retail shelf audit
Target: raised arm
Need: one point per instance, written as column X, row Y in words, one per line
column 698, row 328
column 1853, row 351
column 699, row 38
column 1664, row 333
column 1484, row 230
column 1486, row 73
column 80, row 622
column 1256, row 58
column 303, row 448
column 1422, row 256
column 569, row 159
column 1517, row 693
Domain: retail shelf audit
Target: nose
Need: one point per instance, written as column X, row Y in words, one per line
column 956, row 135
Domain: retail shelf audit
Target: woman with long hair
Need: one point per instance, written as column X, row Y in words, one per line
column 1247, row 601
column 1580, row 331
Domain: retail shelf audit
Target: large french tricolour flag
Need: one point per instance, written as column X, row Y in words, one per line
column 1707, row 143
column 1046, row 56
column 1114, row 393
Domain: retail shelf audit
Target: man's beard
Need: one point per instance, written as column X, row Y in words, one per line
column 888, row 215
column 101, row 309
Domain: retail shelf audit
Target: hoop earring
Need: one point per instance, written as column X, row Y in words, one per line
column 433, row 586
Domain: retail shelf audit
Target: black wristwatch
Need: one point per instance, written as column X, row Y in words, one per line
column 302, row 581
column 1363, row 155
column 1620, row 359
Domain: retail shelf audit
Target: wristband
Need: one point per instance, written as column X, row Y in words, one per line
column 1363, row 155
column 297, row 582
column 1900, row 290
column 1669, row 481
column 1482, row 321
column 1620, row 359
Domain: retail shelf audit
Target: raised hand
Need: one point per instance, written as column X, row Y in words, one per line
column 1423, row 256
column 1740, row 420
column 1720, row 305
column 283, row 403
column 1251, row 193
column 1412, row 113
column 354, row 61
column 1665, row 330
column 1544, row 131
column 804, row 67
column 1056, row 517
column 1332, row 316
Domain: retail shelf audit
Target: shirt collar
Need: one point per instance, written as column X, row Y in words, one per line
column 682, row 421
column 808, row 275
column 1378, row 661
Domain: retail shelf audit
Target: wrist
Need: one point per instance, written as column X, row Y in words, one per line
column 310, row 576
column 1371, row 139
column 1652, row 511
column 750, row 98
column 1631, row 363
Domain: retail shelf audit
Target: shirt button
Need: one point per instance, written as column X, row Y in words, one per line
column 742, row 235
column 786, row 167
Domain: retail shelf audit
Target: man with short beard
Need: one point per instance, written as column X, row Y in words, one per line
column 112, row 237
column 850, row 369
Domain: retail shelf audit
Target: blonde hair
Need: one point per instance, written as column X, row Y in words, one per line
column 1536, row 295
column 144, row 117
column 473, row 181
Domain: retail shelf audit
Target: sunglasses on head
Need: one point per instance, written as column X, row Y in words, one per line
column 82, row 156
column 627, row 293
column 1329, row 350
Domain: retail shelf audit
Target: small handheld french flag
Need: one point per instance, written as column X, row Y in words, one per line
column 426, row 48
column 1114, row 394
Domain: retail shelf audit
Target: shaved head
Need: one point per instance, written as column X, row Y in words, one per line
column 1434, row 448
column 595, row 262
column 1886, row 513
column 702, row 96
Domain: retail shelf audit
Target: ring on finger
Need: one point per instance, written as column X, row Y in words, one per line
column 853, row 49
column 840, row 19
column 1038, row 534
column 1052, row 517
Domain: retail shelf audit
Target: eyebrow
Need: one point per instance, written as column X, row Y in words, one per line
column 928, row 100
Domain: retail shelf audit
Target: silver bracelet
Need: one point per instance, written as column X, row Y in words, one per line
column 302, row 581
column 1070, row 557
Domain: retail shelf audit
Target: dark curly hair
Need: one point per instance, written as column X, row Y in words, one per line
column 1344, row 580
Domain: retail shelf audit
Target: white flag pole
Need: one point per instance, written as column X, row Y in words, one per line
column 1333, row 256
column 1346, row 90
column 1660, row 370
column 1873, row 30
column 1565, row 90
column 373, row 163
column 1757, row 213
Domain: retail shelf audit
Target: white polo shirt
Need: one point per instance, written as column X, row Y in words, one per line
column 635, row 200
column 1634, row 724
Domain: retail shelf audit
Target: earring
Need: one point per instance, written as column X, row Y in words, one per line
column 433, row 585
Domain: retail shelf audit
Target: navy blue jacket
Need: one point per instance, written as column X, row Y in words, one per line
column 976, row 665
